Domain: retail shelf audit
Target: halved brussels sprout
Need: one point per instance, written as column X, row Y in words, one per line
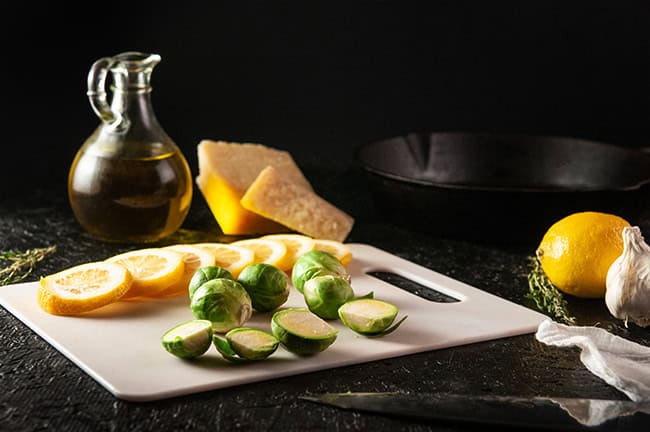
column 369, row 317
column 251, row 343
column 316, row 263
column 267, row 285
column 207, row 273
column 302, row 332
column 224, row 302
column 188, row 339
column 325, row 294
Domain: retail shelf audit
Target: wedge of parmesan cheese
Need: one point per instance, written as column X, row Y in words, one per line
column 227, row 169
column 275, row 196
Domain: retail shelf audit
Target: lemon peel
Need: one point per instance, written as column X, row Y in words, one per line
column 577, row 251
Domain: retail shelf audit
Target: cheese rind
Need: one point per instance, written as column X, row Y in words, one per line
column 227, row 169
column 275, row 197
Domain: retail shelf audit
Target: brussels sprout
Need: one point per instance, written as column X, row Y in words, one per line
column 251, row 343
column 369, row 317
column 267, row 285
column 189, row 339
column 316, row 263
column 224, row 302
column 325, row 294
column 301, row 331
column 204, row 274
column 246, row 343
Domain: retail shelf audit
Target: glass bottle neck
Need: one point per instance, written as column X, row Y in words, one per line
column 131, row 103
column 135, row 107
column 133, row 79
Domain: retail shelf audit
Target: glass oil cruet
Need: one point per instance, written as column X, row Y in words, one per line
column 129, row 182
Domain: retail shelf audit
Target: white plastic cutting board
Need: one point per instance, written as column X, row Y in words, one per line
column 119, row 345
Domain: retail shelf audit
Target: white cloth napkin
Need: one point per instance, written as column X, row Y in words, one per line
column 619, row 362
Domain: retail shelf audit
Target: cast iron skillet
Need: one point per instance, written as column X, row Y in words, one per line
column 497, row 187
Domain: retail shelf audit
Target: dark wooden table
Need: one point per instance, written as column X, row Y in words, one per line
column 42, row 389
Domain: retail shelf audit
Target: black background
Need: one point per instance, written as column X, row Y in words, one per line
column 320, row 78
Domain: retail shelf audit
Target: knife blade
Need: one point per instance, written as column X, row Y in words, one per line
column 546, row 413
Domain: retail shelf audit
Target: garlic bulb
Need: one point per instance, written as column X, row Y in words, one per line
column 628, row 280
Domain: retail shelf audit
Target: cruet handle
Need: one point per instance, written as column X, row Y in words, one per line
column 97, row 92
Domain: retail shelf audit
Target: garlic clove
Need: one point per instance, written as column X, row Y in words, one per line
column 628, row 280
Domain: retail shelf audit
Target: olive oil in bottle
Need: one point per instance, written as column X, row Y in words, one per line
column 129, row 182
column 130, row 200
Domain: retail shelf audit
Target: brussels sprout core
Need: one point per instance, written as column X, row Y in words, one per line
column 267, row 285
column 316, row 263
column 369, row 317
column 224, row 302
column 204, row 274
column 325, row 294
column 301, row 331
column 189, row 339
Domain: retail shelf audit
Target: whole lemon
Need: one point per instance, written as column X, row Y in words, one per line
column 577, row 250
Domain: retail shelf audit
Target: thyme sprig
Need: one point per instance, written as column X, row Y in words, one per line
column 546, row 295
column 22, row 263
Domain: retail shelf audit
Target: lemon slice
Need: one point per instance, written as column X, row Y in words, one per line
column 297, row 245
column 153, row 270
column 193, row 257
column 338, row 249
column 229, row 257
column 83, row 288
column 267, row 251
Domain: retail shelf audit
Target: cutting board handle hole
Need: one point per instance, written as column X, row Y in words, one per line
column 413, row 287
